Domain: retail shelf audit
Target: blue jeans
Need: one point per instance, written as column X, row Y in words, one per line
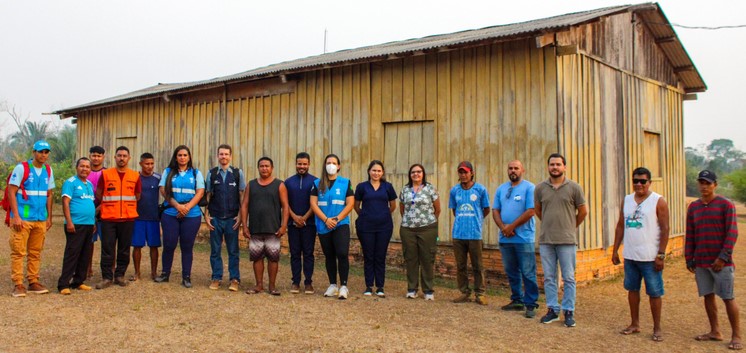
column 224, row 230
column 565, row 255
column 519, row 261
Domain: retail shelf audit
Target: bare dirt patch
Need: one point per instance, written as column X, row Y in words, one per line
column 153, row 317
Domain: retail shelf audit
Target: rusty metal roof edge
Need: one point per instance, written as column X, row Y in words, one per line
column 426, row 43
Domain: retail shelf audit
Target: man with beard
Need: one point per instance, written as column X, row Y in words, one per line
column 224, row 186
column 119, row 189
column 301, row 232
column 560, row 205
column 513, row 212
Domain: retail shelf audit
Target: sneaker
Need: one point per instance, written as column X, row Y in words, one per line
column 411, row 294
column 215, row 284
column 368, row 292
column 463, row 298
column 234, row 285
column 308, row 289
column 429, row 296
column 550, row 317
column 120, row 281
column 37, row 288
column 104, row 284
column 380, row 293
column 530, row 312
column 481, row 299
column 513, row 306
column 295, row 288
column 343, row 292
column 569, row 319
column 84, row 287
column 19, row 291
column 66, row 291
column 332, row 291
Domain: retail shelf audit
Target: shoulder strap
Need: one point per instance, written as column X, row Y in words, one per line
column 236, row 174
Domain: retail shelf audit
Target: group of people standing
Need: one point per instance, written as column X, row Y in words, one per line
column 121, row 206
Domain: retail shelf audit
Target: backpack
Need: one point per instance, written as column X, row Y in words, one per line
column 6, row 197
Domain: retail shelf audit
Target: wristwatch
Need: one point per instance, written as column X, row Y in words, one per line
column 661, row 256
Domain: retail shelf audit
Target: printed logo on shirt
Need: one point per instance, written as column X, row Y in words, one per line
column 13, row 177
column 191, row 180
column 465, row 210
column 338, row 192
column 517, row 198
column 80, row 187
column 473, row 197
column 232, row 184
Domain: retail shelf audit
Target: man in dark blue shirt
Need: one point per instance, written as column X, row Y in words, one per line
column 147, row 225
column 301, row 231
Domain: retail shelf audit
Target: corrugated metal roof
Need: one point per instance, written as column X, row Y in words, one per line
column 651, row 13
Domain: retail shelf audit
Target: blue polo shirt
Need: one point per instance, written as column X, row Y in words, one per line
column 513, row 201
column 468, row 205
column 82, row 209
column 375, row 215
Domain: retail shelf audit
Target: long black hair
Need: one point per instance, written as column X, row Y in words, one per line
column 324, row 182
column 424, row 174
column 173, row 166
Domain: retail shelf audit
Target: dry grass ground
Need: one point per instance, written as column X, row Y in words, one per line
column 153, row 317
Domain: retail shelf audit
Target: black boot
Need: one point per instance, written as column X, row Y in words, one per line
column 186, row 282
column 162, row 278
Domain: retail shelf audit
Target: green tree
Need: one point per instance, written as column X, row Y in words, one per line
column 737, row 181
column 64, row 143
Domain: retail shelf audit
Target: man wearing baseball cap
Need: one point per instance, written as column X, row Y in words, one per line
column 30, row 195
column 711, row 235
column 469, row 203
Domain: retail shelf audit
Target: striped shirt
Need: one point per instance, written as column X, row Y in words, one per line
column 711, row 232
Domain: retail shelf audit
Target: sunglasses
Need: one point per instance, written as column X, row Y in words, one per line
column 640, row 181
column 510, row 191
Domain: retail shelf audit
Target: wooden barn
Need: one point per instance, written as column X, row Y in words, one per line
column 604, row 87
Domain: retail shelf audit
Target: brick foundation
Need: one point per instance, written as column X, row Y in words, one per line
column 591, row 264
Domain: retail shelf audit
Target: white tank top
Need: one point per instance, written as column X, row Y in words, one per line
column 641, row 229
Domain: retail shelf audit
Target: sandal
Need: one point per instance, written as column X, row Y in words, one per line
column 736, row 346
column 630, row 330
column 254, row 291
column 657, row 337
column 275, row 292
column 707, row 337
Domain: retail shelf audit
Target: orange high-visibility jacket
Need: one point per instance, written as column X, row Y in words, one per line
column 119, row 200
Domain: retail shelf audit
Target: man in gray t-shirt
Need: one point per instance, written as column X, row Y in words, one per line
column 560, row 205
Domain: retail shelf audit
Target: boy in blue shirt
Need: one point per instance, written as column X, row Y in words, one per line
column 469, row 203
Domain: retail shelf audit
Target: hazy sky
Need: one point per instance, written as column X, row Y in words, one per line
column 56, row 54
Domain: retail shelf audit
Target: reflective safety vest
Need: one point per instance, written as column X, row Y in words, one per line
column 32, row 196
column 118, row 200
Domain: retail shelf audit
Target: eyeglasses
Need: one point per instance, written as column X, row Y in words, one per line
column 510, row 191
column 640, row 181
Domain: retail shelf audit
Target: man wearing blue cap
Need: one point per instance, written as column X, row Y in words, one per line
column 30, row 195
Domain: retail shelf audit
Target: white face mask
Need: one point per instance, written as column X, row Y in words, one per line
column 331, row 169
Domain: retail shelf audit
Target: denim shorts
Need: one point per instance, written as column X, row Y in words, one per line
column 636, row 271
column 720, row 283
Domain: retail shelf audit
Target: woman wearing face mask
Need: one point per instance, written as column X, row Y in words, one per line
column 375, row 199
column 182, row 187
column 332, row 201
column 419, row 207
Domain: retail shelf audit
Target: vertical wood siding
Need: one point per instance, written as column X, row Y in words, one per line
column 594, row 136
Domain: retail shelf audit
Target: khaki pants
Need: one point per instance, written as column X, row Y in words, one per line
column 472, row 249
column 28, row 242
column 419, row 246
